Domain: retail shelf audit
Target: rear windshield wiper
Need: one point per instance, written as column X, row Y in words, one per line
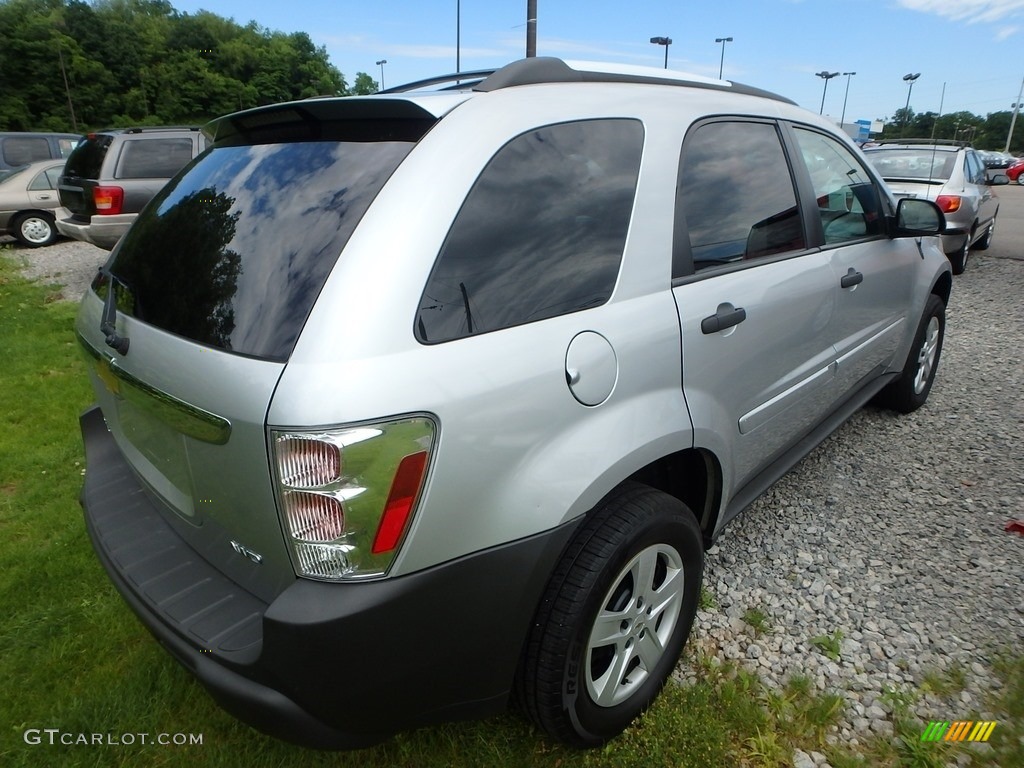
column 108, row 321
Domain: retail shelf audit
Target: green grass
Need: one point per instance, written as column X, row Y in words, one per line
column 757, row 620
column 830, row 645
column 74, row 658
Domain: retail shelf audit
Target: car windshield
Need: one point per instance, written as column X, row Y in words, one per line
column 236, row 252
column 916, row 163
column 10, row 173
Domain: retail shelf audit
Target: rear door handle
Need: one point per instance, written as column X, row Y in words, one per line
column 722, row 319
column 851, row 278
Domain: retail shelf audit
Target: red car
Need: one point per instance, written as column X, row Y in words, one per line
column 1015, row 173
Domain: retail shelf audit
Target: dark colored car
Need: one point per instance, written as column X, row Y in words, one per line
column 19, row 148
column 112, row 174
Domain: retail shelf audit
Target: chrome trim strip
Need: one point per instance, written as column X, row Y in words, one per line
column 184, row 417
column 772, row 408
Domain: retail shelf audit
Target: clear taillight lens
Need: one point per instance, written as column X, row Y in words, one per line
column 347, row 495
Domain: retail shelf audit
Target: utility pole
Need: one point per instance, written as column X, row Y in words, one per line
column 531, row 28
column 1013, row 120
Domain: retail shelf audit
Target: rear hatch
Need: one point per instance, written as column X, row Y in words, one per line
column 81, row 174
column 914, row 171
column 212, row 287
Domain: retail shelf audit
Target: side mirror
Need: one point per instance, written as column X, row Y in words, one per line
column 918, row 218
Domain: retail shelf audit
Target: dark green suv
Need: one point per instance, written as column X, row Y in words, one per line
column 112, row 174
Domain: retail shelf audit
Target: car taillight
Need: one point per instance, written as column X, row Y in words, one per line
column 948, row 203
column 108, row 200
column 347, row 495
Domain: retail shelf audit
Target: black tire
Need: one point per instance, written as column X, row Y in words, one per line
column 568, row 683
column 909, row 392
column 958, row 259
column 35, row 229
column 986, row 241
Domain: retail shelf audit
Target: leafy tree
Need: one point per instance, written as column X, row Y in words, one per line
column 364, row 85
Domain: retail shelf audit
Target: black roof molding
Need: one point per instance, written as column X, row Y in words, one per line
column 926, row 142
column 544, row 69
column 458, row 80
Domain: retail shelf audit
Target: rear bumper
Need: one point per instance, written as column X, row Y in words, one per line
column 331, row 666
column 101, row 231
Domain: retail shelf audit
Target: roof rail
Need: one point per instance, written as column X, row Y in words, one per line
column 459, row 79
column 928, row 142
column 546, row 69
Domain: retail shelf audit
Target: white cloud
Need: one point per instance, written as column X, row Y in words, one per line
column 971, row 11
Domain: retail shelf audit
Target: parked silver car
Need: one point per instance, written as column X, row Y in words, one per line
column 953, row 175
column 413, row 403
column 29, row 203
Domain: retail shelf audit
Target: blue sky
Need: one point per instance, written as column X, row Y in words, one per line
column 975, row 47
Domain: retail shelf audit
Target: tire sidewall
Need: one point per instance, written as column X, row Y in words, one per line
column 932, row 309
column 595, row 724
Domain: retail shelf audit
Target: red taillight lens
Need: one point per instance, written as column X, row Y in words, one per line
column 948, row 203
column 404, row 489
column 108, row 200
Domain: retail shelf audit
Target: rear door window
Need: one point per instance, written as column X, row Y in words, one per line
column 151, row 158
column 540, row 234
column 736, row 194
column 23, row 150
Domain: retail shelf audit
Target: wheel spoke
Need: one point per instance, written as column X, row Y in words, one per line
column 608, row 628
column 650, row 649
column 607, row 686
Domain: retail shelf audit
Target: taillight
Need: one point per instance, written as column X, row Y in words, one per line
column 347, row 495
column 948, row 203
column 108, row 200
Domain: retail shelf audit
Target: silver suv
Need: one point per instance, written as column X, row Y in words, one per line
column 414, row 403
column 953, row 175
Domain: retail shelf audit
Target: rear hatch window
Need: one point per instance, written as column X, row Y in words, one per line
column 87, row 159
column 234, row 253
column 926, row 164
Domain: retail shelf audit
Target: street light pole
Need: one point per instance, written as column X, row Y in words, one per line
column 842, row 120
column 909, row 78
column 531, row 28
column 458, row 36
column 1013, row 120
column 721, row 61
column 826, row 76
column 666, row 41
column 381, row 64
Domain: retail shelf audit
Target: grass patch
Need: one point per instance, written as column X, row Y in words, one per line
column 757, row 620
column 945, row 682
column 830, row 645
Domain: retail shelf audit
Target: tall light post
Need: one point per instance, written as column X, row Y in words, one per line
column 458, row 36
column 842, row 120
column 910, row 79
column 1013, row 120
column 381, row 64
column 531, row 28
column 721, row 61
column 666, row 41
column 826, row 76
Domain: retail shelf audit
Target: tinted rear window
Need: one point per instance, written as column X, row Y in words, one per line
column 147, row 158
column 925, row 163
column 87, row 159
column 235, row 253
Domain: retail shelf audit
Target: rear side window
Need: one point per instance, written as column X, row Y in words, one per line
column 737, row 194
column 20, row 151
column 234, row 254
column 67, row 146
column 153, row 158
column 540, row 234
column 87, row 159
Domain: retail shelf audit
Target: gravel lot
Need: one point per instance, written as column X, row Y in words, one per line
column 889, row 537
